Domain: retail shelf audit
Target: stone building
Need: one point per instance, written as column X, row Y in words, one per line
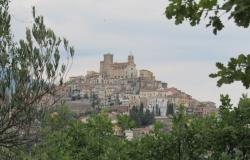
column 158, row 106
column 92, row 74
column 119, row 70
column 147, row 75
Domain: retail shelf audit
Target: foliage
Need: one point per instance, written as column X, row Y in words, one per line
column 201, row 138
column 157, row 110
column 29, row 70
column 191, row 137
column 194, row 11
column 67, row 138
column 224, row 137
column 86, row 96
column 125, row 122
column 232, row 135
column 140, row 117
column 95, row 101
column 170, row 109
column 237, row 69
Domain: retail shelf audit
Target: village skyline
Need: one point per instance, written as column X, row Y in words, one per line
column 182, row 55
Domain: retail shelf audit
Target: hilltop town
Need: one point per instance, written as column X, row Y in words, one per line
column 122, row 84
column 120, row 87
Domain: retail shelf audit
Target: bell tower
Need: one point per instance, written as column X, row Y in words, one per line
column 131, row 59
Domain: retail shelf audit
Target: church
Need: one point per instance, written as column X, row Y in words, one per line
column 121, row 70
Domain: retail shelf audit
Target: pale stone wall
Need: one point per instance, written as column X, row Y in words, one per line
column 148, row 93
column 131, row 71
column 128, row 72
column 134, row 100
column 147, row 75
column 108, row 61
column 160, row 103
column 118, row 70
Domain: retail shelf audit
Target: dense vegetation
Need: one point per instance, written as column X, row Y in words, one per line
column 226, row 137
column 141, row 117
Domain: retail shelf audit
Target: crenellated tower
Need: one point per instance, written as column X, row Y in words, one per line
column 105, row 65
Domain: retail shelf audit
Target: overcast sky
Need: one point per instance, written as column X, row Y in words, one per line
column 181, row 55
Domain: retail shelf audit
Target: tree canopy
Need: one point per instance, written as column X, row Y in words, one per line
column 226, row 137
column 29, row 70
column 196, row 10
column 237, row 69
column 140, row 117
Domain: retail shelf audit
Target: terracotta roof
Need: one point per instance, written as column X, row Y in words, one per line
column 120, row 109
column 172, row 89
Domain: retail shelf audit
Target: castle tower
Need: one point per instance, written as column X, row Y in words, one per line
column 131, row 59
column 108, row 61
column 108, row 58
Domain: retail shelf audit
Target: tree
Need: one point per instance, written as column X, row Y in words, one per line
column 72, row 139
column 231, row 133
column 86, row 96
column 148, row 118
column 157, row 110
column 194, row 11
column 187, row 136
column 125, row 122
column 29, row 70
column 238, row 68
column 95, row 101
column 117, row 100
column 135, row 116
column 170, row 109
column 140, row 117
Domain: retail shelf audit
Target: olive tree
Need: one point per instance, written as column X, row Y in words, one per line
column 30, row 69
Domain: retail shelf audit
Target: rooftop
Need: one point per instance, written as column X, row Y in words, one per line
column 119, row 65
